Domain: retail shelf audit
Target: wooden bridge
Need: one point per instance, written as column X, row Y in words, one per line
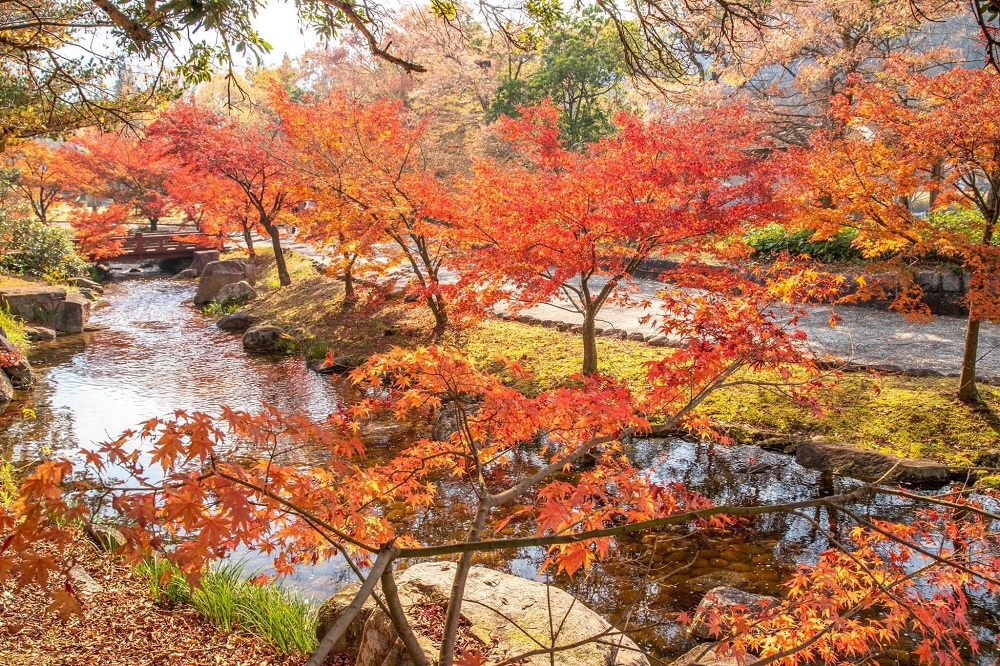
column 161, row 245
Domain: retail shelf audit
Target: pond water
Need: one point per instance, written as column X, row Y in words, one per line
column 159, row 354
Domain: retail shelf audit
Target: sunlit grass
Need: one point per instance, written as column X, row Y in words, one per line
column 228, row 600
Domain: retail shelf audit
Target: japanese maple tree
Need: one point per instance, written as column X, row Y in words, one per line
column 212, row 205
column 551, row 221
column 364, row 168
column 101, row 233
column 40, row 174
column 246, row 153
column 909, row 135
column 123, row 169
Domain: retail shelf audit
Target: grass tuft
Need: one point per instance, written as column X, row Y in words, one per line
column 14, row 330
column 228, row 599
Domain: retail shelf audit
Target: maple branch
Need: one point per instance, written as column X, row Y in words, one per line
column 399, row 620
column 361, row 25
column 676, row 519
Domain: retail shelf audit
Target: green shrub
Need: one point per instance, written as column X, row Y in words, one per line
column 13, row 328
column 964, row 221
column 227, row 599
column 30, row 247
column 775, row 239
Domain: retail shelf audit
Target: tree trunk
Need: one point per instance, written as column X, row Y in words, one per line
column 248, row 239
column 454, row 615
column 279, row 257
column 589, row 344
column 440, row 315
column 153, row 221
column 967, row 391
column 349, row 296
column 399, row 622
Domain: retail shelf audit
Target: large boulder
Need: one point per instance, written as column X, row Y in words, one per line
column 237, row 322
column 334, row 607
column 15, row 365
column 71, row 314
column 868, row 465
column 704, row 655
column 506, row 615
column 200, row 259
column 237, row 292
column 723, row 599
column 218, row 274
column 32, row 304
column 267, row 340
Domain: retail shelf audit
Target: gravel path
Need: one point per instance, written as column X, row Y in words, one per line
column 864, row 336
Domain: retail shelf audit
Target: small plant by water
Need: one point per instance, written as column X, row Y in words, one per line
column 8, row 482
column 228, row 599
column 219, row 309
column 13, row 328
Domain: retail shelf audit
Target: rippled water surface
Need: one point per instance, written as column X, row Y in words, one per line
column 159, row 354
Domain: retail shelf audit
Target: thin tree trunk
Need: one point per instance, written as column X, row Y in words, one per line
column 279, row 257
column 447, row 654
column 248, row 239
column 153, row 221
column 589, row 343
column 349, row 297
column 399, row 621
column 967, row 391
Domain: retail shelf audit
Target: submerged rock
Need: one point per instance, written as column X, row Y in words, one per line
column 725, row 598
column 716, row 579
column 39, row 333
column 267, row 340
column 336, row 365
column 867, row 465
column 511, row 614
column 237, row 322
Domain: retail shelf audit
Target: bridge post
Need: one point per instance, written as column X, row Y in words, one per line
column 138, row 242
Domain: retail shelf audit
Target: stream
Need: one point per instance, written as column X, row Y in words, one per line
column 159, row 354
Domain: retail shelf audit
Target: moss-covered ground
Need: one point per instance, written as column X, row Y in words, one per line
column 909, row 416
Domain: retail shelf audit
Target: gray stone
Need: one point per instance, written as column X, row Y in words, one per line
column 237, row 292
column 704, row 655
column 267, row 340
column 39, row 333
column 929, row 280
column 237, row 322
column 329, row 366
column 658, row 341
column 16, row 365
column 951, row 282
column 726, row 598
column 218, row 274
column 89, row 294
column 104, row 537
column 636, row 337
column 331, row 609
column 30, row 304
column 867, row 465
column 186, row 274
column 86, row 283
column 6, row 390
column 200, row 259
column 512, row 614
column 71, row 315
column 710, row 581
column 82, row 581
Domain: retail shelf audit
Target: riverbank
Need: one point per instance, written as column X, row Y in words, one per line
column 904, row 415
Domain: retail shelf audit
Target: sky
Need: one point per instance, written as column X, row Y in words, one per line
column 278, row 25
